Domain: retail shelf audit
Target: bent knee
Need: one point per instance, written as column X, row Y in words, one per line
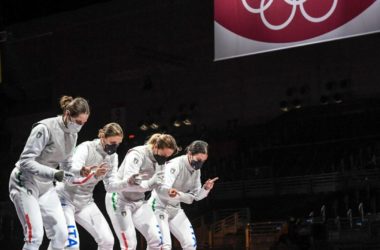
column 60, row 237
column 106, row 243
column 31, row 246
column 127, row 243
column 189, row 245
column 166, row 246
column 34, row 238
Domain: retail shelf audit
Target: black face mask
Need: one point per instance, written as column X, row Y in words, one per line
column 160, row 159
column 110, row 148
column 196, row 164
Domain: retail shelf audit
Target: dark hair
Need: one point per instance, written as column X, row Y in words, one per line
column 75, row 106
column 111, row 129
column 198, row 147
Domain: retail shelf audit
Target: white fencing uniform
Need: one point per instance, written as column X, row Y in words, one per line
column 31, row 187
column 77, row 201
column 171, row 217
column 128, row 209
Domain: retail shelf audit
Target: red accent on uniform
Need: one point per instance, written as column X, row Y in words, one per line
column 29, row 228
column 124, row 240
column 82, row 181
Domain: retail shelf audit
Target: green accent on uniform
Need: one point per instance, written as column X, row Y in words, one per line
column 154, row 205
column 18, row 177
column 114, row 200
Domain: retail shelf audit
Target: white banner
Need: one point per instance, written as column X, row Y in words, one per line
column 246, row 27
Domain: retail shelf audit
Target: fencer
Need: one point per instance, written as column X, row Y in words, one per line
column 96, row 160
column 182, row 184
column 128, row 209
column 50, row 144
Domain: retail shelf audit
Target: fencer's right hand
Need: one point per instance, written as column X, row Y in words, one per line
column 157, row 179
column 63, row 176
column 172, row 192
column 101, row 170
column 209, row 184
column 135, row 179
column 86, row 170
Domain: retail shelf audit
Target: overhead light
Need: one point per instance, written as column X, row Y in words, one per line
column 297, row 103
column 186, row 119
column 284, row 106
column 154, row 125
column 338, row 98
column 176, row 123
column 143, row 126
column 187, row 122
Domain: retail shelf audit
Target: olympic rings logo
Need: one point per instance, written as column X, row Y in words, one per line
column 265, row 5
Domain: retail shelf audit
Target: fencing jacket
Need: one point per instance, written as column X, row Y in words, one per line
column 90, row 153
column 138, row 160
column 179, row 175
column 49, row 145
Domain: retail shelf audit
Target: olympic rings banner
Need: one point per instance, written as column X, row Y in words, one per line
column 244, row 27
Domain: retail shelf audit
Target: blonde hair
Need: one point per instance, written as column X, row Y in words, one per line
column 75, row 106
column 111, row 129
column 163, row 141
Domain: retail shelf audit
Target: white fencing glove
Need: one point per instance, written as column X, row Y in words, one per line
column 135, row 179
column 156, row 180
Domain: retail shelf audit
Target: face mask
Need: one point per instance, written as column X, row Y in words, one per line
column 160, row 159
column 73, row 127
column 196, row 164
column 110, row 148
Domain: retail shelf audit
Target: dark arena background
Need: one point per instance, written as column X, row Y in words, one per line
column 294, row 134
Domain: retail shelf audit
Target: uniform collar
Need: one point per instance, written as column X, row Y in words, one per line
column 149, row 153
column 62, row 124
column 99, row 147
column 187, row 163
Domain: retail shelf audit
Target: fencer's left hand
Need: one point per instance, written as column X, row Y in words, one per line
column 209, row 184
column 157, row 179
column 64, row 176
column 86, row 170
column 135, row 179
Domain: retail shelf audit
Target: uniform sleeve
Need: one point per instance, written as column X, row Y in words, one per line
column 66, row 164
column 171, row 173
column 78, row 159
column 36, row 143
column 131, row 165
column 197, row 193
column 74, row 164
column 111, row 182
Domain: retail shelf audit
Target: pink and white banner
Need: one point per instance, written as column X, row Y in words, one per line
column 245, row 27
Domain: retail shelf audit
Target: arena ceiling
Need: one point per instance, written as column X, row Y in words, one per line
column 15, row 11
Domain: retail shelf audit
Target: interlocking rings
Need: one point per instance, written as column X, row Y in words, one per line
column 265, row 5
